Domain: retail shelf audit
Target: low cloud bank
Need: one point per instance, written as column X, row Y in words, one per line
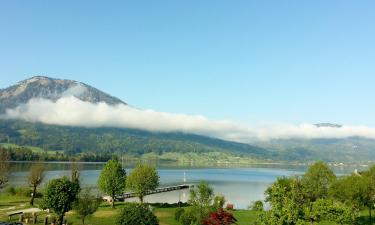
column 74, row 112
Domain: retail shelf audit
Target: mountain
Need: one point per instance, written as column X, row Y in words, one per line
column 75, row 140
column 78, row 140
column 53, row 89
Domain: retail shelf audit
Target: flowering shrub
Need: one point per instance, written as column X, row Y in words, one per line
column 220, row 217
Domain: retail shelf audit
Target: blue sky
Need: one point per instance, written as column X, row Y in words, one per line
column 249, row 61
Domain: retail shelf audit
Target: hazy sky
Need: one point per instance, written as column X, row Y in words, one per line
column 250, row 61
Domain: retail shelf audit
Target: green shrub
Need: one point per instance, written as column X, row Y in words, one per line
column 190, row 216
column 10, row 190
column 257, row 206
column 134, row 213
column 23, row 191
column 178, row 212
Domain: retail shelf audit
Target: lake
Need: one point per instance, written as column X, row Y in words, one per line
column 240, row 186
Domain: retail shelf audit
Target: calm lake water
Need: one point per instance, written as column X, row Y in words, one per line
column 240, row 186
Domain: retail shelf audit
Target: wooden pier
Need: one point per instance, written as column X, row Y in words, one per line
column 156, row 191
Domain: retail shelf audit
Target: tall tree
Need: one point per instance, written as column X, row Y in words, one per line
column 143, row 178
column 317, row 180
column 35, row 178
column 112, row 179
column 4, row 167
column 86, row 205
column 368, row 190
column 201, row 195
column 60, row 195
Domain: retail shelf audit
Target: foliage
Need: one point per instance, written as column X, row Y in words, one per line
column 60, row 196
column 97, row 144
column 257, row 206
column 190, row 216
column 143, row 178
column 201, row 195
column 297, row 200
column 219, row 202
column 317, row 181
column 35, row 178
column 220, row 217
column 86, row 205
column 4, row 168
column 178, row 212
column 133, row 214
column 112, row 179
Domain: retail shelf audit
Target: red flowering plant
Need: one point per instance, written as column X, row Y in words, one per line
column 220, row 217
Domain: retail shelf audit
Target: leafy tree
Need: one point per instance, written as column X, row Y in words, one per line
column 190, row 216
column 368, row 190
column 112, row 179
column 143, row 178
column 133, row 214
column 60, row 196
column 75, row 174
column 35, row 178
column 356, row 190
column 201, row 195
column 86, row 205
column 220, row 217
column 317, row 181
column 178, row 212
column 257, row 206
column 219, row 202
column 4, row 167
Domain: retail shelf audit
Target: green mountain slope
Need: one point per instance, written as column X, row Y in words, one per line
column 74, row 140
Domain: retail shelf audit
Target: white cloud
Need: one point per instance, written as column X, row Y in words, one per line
column 74, row 112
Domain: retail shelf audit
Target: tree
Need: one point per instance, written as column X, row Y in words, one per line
column 220, row 217
column 112, row 179
column 143, row 179
column 257, row 206
column 133, row 214
column 368, row 190
column 317, row 181
column 35, row 178
column 201, row 195
column 60, row 195
column 75, row 174
column 4, row 167
column 219, row 202
column 86, row 205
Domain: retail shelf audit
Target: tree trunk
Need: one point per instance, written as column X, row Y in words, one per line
column 369, row 212
column 33, row 196
column 113, row 201
column 60, row 220
column 141, row 199
column 83, row 220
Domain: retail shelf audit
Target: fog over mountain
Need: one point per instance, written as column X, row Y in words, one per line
column 65, row 102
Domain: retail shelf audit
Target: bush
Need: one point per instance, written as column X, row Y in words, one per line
column 10, row 190
column 134, row 213
column 190, row 216
column 220, row 217
column 23, row 191
column 178, row 212
column 256, row 206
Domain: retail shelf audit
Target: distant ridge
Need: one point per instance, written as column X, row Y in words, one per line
column 328, row 125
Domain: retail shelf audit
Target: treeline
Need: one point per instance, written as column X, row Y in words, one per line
column 26, row 154
column 73, row 140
